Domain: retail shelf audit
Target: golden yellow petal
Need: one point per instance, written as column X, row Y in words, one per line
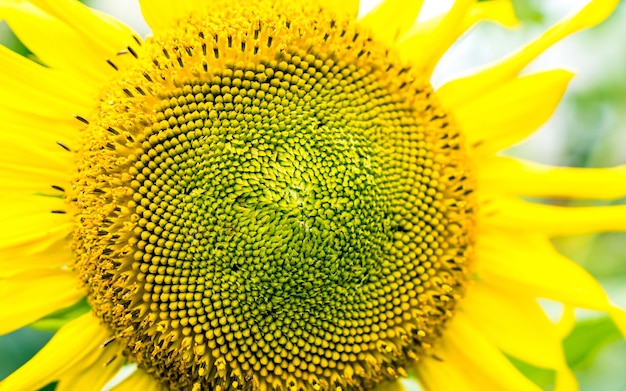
column 392, row 18
column 17, row 178
column 507, row 175
column 467, row 360
column 450, row 28
column 28, row 296
column 45, row 91
column 566, row 324
column 51, row 252
column 35, row 164
column 467, row 88
column 102, row 30
column 94, row 375
column 529, row 264
column 514, row 215
column 77, row 54
column 435, row 376
column 76, row 343
column 30, row 218
column 40, row 129
column 518, row 326
column 426, row 42
column 511, row 112
column 23, row 106
column 47, row 124
column 498, row 11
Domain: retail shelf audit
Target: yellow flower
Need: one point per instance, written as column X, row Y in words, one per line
column 270, row 195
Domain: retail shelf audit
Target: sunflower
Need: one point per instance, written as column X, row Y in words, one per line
column 271, row 195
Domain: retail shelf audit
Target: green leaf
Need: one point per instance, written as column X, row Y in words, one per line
column 8, row 39
column 527, row 11
column 542, row 377
column 587, row 339
column 581, row 348
column 59, row 318
column 18, row 347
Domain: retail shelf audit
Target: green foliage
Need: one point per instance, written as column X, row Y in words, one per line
column 542, row 377
column 18, row 347
column 587, row 339
column 8, row 39
column 528, row 11
column 57, row 319
column 582, row 346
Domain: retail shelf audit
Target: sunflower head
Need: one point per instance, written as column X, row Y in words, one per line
column 265, row 196
column 271, row 196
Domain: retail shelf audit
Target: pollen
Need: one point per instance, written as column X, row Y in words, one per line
column 268, row 198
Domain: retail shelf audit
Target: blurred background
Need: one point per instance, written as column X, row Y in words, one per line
column 588, row 130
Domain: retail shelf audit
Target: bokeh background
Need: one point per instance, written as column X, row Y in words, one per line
column 588, row 130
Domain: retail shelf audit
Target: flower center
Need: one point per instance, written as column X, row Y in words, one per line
column 266, row 198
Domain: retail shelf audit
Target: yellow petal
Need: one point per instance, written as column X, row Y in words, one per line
column 498, row 11
column 511, row 214
column 33, row 160
column 35, row 27
column 31, row 295
column 139, row 380
column 529, row 265
column 17, row 178
column 511, row 112
column 434, row 377
column 77, row 342
column 104, row 31
column 30, row 127
column 513, row 176
column 94, row 375
column 40, row 129
column 518, row 326
column 426, row 42
column 31, row 86
column 51, row 252
column 391, row 18
column 567, row 322
column 467, row 88
column 160, row 14
column 467, row 360
column 28, row 219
